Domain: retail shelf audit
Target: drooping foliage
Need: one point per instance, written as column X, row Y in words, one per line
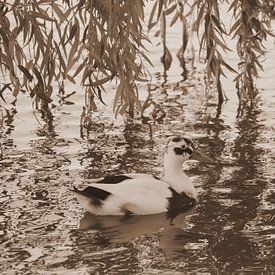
column 43, row 42
column 46, row 42
column 250, row 28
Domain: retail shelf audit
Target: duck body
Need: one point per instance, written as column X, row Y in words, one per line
column 144, row 194
column 138, row 194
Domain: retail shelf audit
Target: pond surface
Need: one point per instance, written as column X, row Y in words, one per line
column 43, row 229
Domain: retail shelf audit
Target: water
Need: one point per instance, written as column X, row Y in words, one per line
column 43, row 229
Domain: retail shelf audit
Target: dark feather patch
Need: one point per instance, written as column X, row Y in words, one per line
column 187, row 141
column 178, row 203
column 178, row 150
column 188, row 151
column 114, row 179
column 176, row 139
column 96, row 195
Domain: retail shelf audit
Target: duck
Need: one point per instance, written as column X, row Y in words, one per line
column 146, row 194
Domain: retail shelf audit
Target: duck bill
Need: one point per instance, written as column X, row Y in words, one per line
column 201, row 157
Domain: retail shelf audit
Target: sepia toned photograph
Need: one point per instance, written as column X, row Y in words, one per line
column 137, row 137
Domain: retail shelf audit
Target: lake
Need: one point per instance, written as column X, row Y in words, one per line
column 44, row 230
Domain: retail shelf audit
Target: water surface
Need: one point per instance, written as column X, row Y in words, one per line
column 43, row 229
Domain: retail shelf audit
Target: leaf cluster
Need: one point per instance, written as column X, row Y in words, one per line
column 251, row 26
column 43, row 41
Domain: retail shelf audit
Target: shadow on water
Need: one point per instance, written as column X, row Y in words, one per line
column 8, row 119
column 120, row 229
column 247, row 184
column 131, row 146
column 228, row 231
column 231, row 230
column 48, row 128
column 128, row 239
column 225, row 210
column 213, row 238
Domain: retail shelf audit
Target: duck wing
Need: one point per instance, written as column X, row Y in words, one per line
column 115, row 179
column 141, row 196
column 95, row 195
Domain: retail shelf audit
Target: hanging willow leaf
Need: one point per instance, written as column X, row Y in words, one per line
column 26, row 72
column 170, row 9
column 101, row 81
column 71, row 59
column 217, row 23
column 62, row 17
column 39, row 93
column 70, row 78
column 16, row 85
column 151, row 24
column 166, row 59
column 79, row 68
column 174, row 20
column 72, row 32
column 39, row 78
column 5, row 86
column 41, row 15
column 99, row 94
column 48, row 51
column 118, row 94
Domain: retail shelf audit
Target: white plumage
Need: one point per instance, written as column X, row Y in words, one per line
column 143, row 194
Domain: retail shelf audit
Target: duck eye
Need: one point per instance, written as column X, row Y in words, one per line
column 183, row 146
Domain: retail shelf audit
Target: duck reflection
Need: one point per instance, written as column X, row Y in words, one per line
column 119, row 229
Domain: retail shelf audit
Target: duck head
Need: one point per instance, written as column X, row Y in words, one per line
column 178, row 150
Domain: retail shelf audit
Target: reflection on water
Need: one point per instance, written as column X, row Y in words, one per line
column 120, row 229
column 43, row 230
column 235, row 209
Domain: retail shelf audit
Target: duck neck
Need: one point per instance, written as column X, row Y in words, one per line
column 176, row 178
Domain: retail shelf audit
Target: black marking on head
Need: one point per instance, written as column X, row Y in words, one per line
column 178, row 203
column 187, row 141
column 188, row 151
column 178, row 150
column 157, row 178
column 96, row 195
column 114, row 179
column 176, row 139
column 181, row 151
